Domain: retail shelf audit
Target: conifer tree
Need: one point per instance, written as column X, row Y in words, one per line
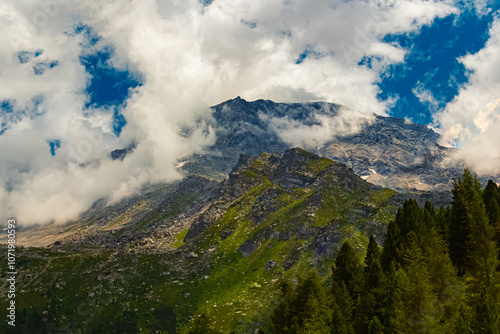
column 465, row 191
column 487, row 311
column 391, row 241
column 374, row 299
column 373, row 252
column 409, row 218
column 313, row 305
column 283, row 312
column 443, row 219
column 342, row 310
column 375, row 327
column 414, row 304
column 304, row 309
column 347, row 270
column 482, row 255
column 491, row 198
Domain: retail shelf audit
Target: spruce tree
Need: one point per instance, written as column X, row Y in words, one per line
column 409, row 218
column 487, row 311
column 443, row 219
column 391, row 241
column 491, row 198
column 342, row 309
column 482, row 254
column 373, row 252
column 481, row 260
column 347, row 270
column 375, row 327
column 413, row 308
column 465, row 192
column 304, row 309
column 283, row 312
column 313, row 306
column 373, row 300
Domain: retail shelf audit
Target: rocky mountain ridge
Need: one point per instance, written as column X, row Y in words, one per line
column 200, row 246
column 386, row 151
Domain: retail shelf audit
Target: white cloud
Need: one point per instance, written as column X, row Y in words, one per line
column 425, row 96
column 190, row 57
column 472, row 119
column 325, row 127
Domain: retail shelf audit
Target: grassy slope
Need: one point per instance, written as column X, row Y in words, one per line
column 237, row 293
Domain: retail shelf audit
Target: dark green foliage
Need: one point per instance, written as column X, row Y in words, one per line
column 487, row 311
column 306, row 308
column 347, row 270
column 409, row 218
column 373, row 252
column 491, row 198
column 375, row 327
column 343, row 310
column 466, row 192
column 127, row 323
column 166, row 319
column 374, row 300
column 390, row 250
column 27, row 321
column 443, row 219
column 413, row 285
column 472, row 248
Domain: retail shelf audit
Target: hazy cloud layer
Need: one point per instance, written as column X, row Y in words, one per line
column 189, row 57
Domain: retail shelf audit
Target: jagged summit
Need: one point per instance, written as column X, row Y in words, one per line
column 387, row 151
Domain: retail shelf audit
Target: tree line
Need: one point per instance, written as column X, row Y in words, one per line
column 438, row 272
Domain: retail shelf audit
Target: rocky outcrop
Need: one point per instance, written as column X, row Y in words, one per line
column 386, row 151
column 247, row 248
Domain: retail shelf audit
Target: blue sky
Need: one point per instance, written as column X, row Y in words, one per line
column 432, row 64
column 108, row 86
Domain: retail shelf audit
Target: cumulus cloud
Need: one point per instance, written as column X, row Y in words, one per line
column 189, row 56
column 472, row 119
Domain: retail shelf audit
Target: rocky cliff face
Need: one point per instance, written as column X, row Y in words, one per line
column 299, row 195
column 386, row 151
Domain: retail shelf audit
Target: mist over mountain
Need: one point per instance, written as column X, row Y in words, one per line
column 386, row 151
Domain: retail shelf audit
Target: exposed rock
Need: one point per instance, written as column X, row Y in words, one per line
column 225, row 234
column 191, row 255
column 271, row 264
column 387, row 151
column 204, row 221
column 326, row 241
column 288, row 264
column 247, row 248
